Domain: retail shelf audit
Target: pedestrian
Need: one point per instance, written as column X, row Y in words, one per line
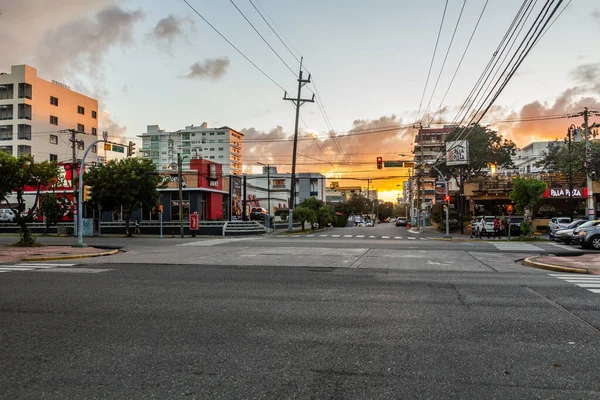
column 497, row 226
column 482, row 227
column 137, row 227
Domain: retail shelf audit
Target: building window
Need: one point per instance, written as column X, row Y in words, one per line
column 80, row 145
column 220, row 133
column 53, row 157
column 7, row 92
column 80, row 128
column 24, row 132
column 212, row 157
column 53, row 120
column 53, row 101
column 221, row 156
column 6, row 132
column 94, row 132
column 6, row 149
column 94, row 149
column 220, row 149
column 80, row 110
column 23, row 149
column 24, row 111
column 212, row 134
column 53, row 139
column 6, row 112
column 212, row 149
column 94, row 114
column 24, row 91
column 211, row 141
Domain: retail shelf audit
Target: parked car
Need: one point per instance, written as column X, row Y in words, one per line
column 7, row 215
column 401, row 221
column 589, row 237
column 566, row 235
column 559, row 223
column 577, row 235
column 479, row 230
column 258, row 213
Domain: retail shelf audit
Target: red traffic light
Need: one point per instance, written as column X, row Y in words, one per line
column 447, row 198
column 379, row 162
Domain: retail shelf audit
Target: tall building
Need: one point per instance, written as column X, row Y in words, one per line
column 221, row 145
column 429, row 147
column 36, row 117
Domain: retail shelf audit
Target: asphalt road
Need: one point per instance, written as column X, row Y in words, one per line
column 199, row 331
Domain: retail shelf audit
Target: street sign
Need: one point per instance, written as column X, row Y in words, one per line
column 107, row 146
column 409, row 164
column 393, row 164
column 118, row 149
column 194, row 221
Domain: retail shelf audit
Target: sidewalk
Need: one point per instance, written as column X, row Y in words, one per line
column 9, row 254
column 583, row 264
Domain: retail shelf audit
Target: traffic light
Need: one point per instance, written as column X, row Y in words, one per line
column 379, row 163
column 131, row 149
column 447, row 199
column 87, row 193
column 509, row 208
column 160, row 209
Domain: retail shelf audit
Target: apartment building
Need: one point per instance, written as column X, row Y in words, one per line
column 221, row 145
column 36, row 117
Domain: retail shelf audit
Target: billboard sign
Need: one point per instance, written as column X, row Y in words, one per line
column 457, row 152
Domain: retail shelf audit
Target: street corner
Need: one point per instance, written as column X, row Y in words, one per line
column 51, row 253
column 575, row 265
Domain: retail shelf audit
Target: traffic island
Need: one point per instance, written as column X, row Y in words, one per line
column 581, row 264
column 10, row 254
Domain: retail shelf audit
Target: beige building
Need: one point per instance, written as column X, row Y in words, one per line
column 37, row 117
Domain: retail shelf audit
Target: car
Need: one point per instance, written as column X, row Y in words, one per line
column 589, row 236
column 7, row 215
column 258, row 213
column 559, row 223
column 576, row 236
column 478, row 230
column 401, row 221
column 566, row 235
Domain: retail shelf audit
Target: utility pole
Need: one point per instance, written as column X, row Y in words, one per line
column 180, row 182
column 570, row 132
column 298, row 102
column 419, row 173
column 74, row 175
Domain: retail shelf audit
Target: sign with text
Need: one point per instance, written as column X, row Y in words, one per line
column 118, row 149
column 457, row 152
column 560, row 192
column 107, row 146
column 393, row 164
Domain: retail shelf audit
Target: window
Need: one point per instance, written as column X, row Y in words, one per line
column 23, row 149
column 6, row 132
column 53, row 157
column 203, row 133
column 80, row 110
column 24, row 132
column 212, row 134
column 6, row 112
column 193, row 134
column 7, row 91
column 24, row 111
column 221, row 141
column 212, row 157
column 94, row 132
column 221, row 156
column 80, row 146
column 80, row 128
column 220, row 133
column 24, row 91
column 211, row 141
column 212, row 149
column 53, row 120
column 220, row 149
column 94, row 114
column 6, row 149
column 53, row 101
column 94, row 148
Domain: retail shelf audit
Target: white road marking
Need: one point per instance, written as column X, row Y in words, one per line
column 594, row 290
column 310, row 235
column 397, row 237
column 31, row 267
column 590, row 283
column 385, row 237
column 360, row 236
column 347, row 235
column 516, row 246
column 411, row 238
column 323, row 235
column 371, row 237
column 215, row 242
column 566, row 247
column 335, row 235
column 76, row 270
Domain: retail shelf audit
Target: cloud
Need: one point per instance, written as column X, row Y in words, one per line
column 596, row 14
column 213, row 68
column 171, row 27
column 115, row 131
column 587, row 73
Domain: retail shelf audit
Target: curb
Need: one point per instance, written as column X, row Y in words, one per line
column 531, row 262
column 72, row 256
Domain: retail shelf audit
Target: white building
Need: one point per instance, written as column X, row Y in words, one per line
column 259, row 192
column 35, row 116
column 526, row 158
column 222, row 145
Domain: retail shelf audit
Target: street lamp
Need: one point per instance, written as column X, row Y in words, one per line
column 180, row 181
column 570, row 133
column 268, row 185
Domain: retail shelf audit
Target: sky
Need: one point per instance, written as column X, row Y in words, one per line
column 156, row 62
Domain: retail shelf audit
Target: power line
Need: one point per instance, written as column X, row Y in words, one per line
column 232, row 45
column 263, row 38
column 445, row 57
column 432, row 60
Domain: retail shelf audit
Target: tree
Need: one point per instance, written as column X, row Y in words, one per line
column 53, row 208
column 303, row 214
column 526, row 194
column 386, row 210
column 401, row 210
column 486, row 148
column 18, row 175
column 325, row 215
column 560, row 158
column 128, row 183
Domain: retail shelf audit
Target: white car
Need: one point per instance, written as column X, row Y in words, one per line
column 559, row 223
column 7, row 215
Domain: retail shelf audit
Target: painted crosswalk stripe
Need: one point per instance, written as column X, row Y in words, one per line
column 310, row 235
column 323, row 235
column 397, row 237
column 335, row 235
column 565, row 247
column 594, row 290
column 371, row 237
column 347, row 235
column 590, row 283
column 385, row 237
column 516, row 246
column 360, row 236
column 411, row 238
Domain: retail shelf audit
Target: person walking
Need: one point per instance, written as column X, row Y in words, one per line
column 137, row 227
column 497, row 226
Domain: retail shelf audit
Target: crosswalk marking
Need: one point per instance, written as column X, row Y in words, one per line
column 590, row 283
column 565, row 247
column 30, row 267
column 397, row 237
column 516, row 246
column 360, row 236
column 323, row 235
column 335, row 235
column 365, row 236
column 385, row 237
column 347, row 235
column 411, row 238
column 372, row 237
column 310, row 235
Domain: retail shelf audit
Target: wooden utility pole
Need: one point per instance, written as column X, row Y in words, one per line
column 298, row 102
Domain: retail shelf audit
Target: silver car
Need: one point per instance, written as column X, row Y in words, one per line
column 566, row 235
column 577, row 235
column 7, row 215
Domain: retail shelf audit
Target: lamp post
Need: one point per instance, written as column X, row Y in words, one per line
column 447, row 197
column 268, row 166
column 570, row 133
column 180, row 181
